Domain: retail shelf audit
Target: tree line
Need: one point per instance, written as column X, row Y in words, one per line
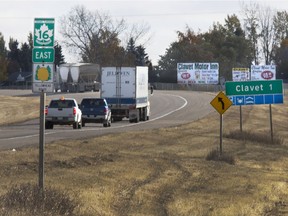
column 19, row 58
column 260, row 38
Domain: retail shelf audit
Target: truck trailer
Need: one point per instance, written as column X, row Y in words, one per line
column 126, row 91
column 79, row 77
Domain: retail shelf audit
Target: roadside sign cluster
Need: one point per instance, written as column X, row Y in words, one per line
column 255, row 92
column 43, row 55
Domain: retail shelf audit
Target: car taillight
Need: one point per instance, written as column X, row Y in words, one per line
column 74, row 111
column 46, row 111
column 105, row 110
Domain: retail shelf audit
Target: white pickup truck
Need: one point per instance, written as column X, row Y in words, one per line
column 63, row 111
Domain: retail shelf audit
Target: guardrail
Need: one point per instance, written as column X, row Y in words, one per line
column 157, row 86
column 190, row 87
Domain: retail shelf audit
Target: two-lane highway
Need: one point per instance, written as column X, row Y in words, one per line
column 168, row 108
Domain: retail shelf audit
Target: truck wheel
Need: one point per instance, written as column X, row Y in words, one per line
column 48, row 125
column 138, row 116
column 144, row 114
column 75, row 125
column 107, row 123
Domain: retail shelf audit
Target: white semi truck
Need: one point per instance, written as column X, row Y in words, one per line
column 126, row 91
column 79, row 77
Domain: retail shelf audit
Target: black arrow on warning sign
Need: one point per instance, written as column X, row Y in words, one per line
column 221, row 101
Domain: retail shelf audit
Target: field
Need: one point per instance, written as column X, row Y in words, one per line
column 166, row 171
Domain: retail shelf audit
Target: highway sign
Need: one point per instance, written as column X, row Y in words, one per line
column 43, row 77
column 257, row 99
column 254, row 87
column 43, row 55
column 221, row 103
column 43, row 32
column 255, row 92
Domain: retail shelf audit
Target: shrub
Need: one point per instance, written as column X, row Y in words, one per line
column 263, row 138
column 27, row 199
column 215, row 155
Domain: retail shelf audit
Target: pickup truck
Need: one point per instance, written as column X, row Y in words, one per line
column 95, row 110
column 63, row 111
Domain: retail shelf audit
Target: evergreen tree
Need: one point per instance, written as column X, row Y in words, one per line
column 59, row 57
column 3, row 59
column 13, row 57
column 25, row 58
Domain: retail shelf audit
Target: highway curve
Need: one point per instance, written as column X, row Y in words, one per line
column 168, row 108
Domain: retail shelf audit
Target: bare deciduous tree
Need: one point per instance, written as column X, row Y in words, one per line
column 251, row 26
column 92, row 34
column 96, row 36
column 267, row 36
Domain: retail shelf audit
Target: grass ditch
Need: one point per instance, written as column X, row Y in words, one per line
column 162, row 171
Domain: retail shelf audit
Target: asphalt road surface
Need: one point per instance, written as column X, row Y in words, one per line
column 168, row 108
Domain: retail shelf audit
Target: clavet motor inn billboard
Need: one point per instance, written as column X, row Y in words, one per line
column 198, row 73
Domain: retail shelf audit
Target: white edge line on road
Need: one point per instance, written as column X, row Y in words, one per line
column 92, row 129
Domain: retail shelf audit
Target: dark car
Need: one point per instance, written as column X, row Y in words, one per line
column 95, row 110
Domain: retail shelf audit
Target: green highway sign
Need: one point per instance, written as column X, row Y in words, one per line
column 43, row 32
column 44, row 55
column 262, row 87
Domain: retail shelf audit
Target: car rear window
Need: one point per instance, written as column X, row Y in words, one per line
column 62, row 104
column 92, row 102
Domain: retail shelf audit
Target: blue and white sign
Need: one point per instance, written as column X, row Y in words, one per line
column 256, row 99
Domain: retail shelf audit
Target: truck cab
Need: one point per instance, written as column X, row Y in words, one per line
column 63, row 111
column 95, row 110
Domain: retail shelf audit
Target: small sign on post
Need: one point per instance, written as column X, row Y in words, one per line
column 221, row 103
column 43, row 54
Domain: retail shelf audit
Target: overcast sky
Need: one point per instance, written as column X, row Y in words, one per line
column 164, row 17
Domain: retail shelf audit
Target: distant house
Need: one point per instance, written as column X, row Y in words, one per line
column 19, row 77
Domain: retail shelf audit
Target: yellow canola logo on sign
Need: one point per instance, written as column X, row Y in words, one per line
column 43, row 73
column 221, row 103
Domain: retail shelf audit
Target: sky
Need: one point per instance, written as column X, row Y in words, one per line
column 164, row 17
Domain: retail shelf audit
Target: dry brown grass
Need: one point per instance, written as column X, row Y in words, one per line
column 164, row 171
column 18, row 109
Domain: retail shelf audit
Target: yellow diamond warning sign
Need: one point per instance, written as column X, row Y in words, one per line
column 221, row 102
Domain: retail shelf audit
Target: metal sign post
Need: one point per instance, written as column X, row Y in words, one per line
column 42, row 140
column 221, row 103
column 240, row 118
column 271, row 123
column 221, row 132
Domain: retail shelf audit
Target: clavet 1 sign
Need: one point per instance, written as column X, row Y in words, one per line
column 255, row 92
column 263, row 72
